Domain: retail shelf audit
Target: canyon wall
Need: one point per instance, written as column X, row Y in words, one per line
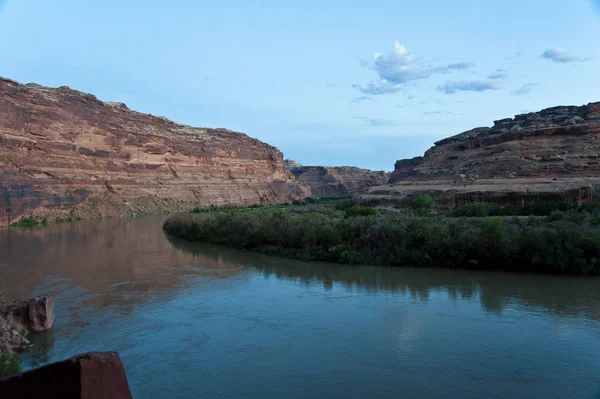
column 547, row 156
column 64, row 153
column 339, row 181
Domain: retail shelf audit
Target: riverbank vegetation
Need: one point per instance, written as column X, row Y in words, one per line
column 9, row 365
column 29, row 222
column 565, row 242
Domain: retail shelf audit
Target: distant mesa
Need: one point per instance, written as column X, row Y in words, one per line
column 338, row 181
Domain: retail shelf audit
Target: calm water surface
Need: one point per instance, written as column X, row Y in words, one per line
column 200, row 321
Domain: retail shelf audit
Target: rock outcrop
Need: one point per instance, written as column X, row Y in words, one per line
column 32, row 315
column 547, row 156
column 339, row 181
column 95, row 375
column 66, row 153
column 17, row 319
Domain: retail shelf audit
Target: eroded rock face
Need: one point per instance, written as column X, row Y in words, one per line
column 17, row 319
column 339, row 181
column 65, row 153
column 32, row 315
column 547, row 156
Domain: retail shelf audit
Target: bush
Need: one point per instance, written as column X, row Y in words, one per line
column 544, row 209
column 9, row 365
column 29, row 222
column 555, row 216
column 357, row 210
column 478, row 209
column 535, row 244
column 423, row 204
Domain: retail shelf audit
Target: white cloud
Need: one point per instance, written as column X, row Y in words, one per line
column 561, row 56
column 399, row 68
column 495, row 81
column 519, row 53
column 470, row 85
column 360, row 99
column 499, row 74
column 375, row 89
column 523, row 90
column 376, row 122
column 459, row 66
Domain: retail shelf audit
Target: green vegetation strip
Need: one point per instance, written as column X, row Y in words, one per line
column 9, row 365
column 563, row 242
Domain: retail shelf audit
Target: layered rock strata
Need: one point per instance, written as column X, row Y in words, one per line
column 547, row 156
column 339, row 181
column 64, row 153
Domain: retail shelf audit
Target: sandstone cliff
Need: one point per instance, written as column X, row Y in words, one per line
column 339, row 181
column 66, row 153
column 547, row 156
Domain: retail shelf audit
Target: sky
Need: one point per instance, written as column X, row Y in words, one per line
column 358, row 83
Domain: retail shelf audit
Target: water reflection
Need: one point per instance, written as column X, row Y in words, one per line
column 192, row 320
column 560, row 296
column 130, row 257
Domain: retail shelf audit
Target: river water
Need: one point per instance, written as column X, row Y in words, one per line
column 192, row 320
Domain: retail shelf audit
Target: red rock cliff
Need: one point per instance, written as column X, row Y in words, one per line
column 66, row 153
column 547, row 156
column 338, row 181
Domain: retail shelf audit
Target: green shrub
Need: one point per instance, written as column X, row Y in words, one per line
column 358, row 210
column 535, row 244
column 591, row 207
column 555, row 216
column 423, row 204
column 68, row 219
column 343, row 205
column 478, row 209
column 29, row 222
column 9, row 365
column 528, row 210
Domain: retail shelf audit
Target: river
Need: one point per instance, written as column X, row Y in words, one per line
column 192, row 320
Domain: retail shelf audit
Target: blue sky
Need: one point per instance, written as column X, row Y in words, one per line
column 358, row 83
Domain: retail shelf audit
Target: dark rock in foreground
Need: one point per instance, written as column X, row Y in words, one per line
column 93, row 375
